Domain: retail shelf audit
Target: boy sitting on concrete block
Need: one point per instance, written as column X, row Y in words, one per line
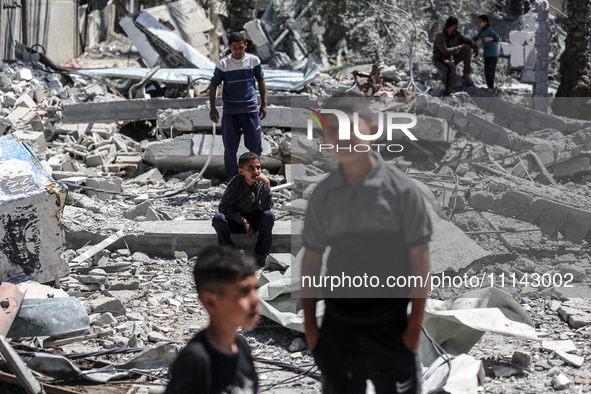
column 246, row 207
column 217, row 360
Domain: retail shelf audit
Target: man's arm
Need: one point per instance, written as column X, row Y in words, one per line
column 227, row 204
column 266, row 197
column 311, row 264
column 263, row 91
column 213, row 112
column 419, row 258
column 441, row 46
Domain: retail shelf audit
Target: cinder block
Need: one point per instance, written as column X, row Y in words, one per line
column 482, row 200
column 528, row 76
column 445, row 112
column 517, row 57
column 520, row 37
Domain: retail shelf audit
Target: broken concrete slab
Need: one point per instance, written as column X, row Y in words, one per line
column 188, row 20
column 111, row 184
column 186, row 120
column 142, row 109
column 163, row 238
column 190, row 152
column 552, row 210
column 161, row 38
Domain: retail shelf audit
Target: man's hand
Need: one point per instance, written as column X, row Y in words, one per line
column 249, row 228
column 312, row 334
column 265, row 180
column 411, row 338
column 475, row 50
column 263, row 111
column 214, row 115
column 488, row 39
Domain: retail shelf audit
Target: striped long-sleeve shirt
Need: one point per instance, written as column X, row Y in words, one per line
column 240, row 199
column 238, row 76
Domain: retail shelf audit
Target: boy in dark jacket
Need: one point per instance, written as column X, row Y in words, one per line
column 246, row 207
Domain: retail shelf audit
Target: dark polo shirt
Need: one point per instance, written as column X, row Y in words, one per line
column 370, row 229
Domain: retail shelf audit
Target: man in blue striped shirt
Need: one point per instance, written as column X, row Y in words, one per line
column 238, row 72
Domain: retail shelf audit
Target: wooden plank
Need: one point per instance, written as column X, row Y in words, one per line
column 49, row 389
column 23, row 374
column 60, row 342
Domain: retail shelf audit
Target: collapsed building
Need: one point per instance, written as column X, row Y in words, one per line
column 115, row 173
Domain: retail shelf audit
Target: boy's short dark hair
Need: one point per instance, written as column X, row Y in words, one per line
column 217, row 266
column 246, row 158
column 451, row 21
column 236, row 36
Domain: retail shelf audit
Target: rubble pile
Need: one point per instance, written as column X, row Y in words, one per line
column 507, row 186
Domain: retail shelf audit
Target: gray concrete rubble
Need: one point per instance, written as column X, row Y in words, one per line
column 132, row 176
column 552, row 210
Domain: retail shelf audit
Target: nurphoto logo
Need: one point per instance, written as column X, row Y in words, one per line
column 392, row 125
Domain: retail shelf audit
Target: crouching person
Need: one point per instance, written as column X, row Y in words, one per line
column 217, row 360
column 246, row 207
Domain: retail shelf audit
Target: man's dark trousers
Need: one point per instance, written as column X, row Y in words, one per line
column 348, row 354
column 233, row 126
column 449, row 67
column 261, row 221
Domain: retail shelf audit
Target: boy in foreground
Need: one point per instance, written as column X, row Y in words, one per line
column 374, row 219
column 217, row 360
column 246, row 207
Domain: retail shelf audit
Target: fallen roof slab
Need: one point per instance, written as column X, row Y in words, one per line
column 288, row 80
column 144, row 109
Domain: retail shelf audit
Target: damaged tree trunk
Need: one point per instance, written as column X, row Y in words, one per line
column 575, row 69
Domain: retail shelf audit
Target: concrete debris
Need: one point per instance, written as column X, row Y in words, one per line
column 507, row 185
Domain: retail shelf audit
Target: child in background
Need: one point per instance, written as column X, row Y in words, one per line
column 218, row 360
column 490, row 41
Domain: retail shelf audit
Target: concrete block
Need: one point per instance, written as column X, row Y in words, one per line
column 25, row 101
column 573, row 167
column 105, row 304
column 505, row 49
column 528, row 76
column 35, row 139
column 517, row 57
column 24, row 74
column 149, row 177
column 482, row 200
column 530, row 55
column 433, row 129
column 140, row 210
column 111, row 184
column 294, row 171
column 432, row 107
column 97, row 160
column 445, row 112
column 520, row 37
column 512, row 203
column 460, row 119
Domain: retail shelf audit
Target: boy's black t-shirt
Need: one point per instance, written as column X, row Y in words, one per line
column 200, row 368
